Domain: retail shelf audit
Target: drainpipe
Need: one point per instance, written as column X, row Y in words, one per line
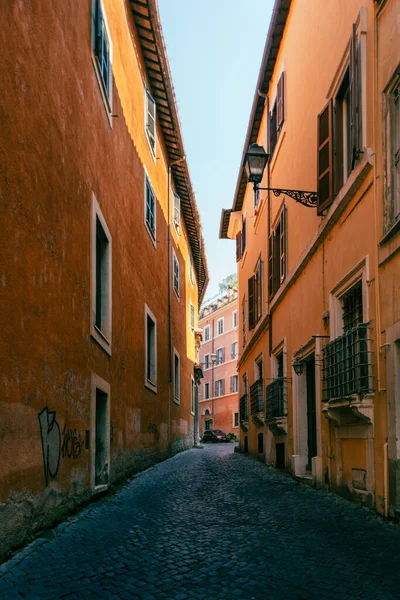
column 175, row 162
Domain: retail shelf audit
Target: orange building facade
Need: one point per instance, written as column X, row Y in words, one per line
column 218, row 392
column 318, row 294
column 103, row 265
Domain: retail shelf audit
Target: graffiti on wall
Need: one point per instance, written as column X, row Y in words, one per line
column 56, row 445
column 51, row 442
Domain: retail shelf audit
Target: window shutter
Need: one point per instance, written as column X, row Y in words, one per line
column 272, row 131
column 353, row 96
column 282, row 244
column 222, row 355
column 280, row 101
column 251, row 301
column 177, row 209
column 270, row 266
column 276, row 276
column 238, row 246
column 232, row 383
column 222, row 387
column 151, row 120
column 325, row 159
column 243, row 235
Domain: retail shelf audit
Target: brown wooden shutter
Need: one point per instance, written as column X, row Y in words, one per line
column 325, row 159
column 270, row 266
column 251, row 301
column 243, row 235
column 353, row 97
column 222, row 387
column 272, row 131
column 238, row 246
column 276, row 262
column 280, row 101
column 282, row 245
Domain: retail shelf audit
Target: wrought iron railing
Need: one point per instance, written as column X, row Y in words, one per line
column 256, row 397
column 244, row 408
column 276, row 403
column 347, row 364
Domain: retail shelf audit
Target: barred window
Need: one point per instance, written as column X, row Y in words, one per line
column 352, row 307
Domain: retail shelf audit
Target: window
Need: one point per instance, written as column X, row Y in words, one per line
column 220, row 387
column 236, row 419
column 277, row 252
column 235, row 318
column 255, row 296
column 101, row 279
column 392, row 152
column 234, row 350
column 340, row 135
column 176, row 274
column 206, row 391
column 177, row 211
column 150, row 349
column 352, row 309
column 150, row 209
column 150, row 120
column 102, row 50
column 279, row 365
column 277, row 115
column 244, row 323
column 206, row 333
column 177, row 377
column 234, row 383
column 220, row 356
column 220, row 326
column 191, row 317
column 207, row 361
column 191, row 273
column 193, row 397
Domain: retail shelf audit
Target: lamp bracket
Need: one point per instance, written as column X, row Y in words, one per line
column 308, row 199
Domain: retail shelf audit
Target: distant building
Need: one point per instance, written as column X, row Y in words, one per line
column 218, row 392
column 102, row 265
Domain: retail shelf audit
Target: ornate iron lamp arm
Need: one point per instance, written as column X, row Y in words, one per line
column 305, row 198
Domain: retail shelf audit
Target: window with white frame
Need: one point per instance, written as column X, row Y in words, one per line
column 191, row 274
column 392, row 152
column 220, row 356
column 236, row 419
column 235, row 318
column 234, row 350
column 191, row 316
column 220, row 326
column 101, row 263
column 206, row 390
column 206, row 361
column 150, row 349
column 220, row 387
column 176, row 273
column 234, row 383
column 150, row 209
column 102, row 51
column 177, row 211
column 177, row 377
column 150, row 120
column 206, row 333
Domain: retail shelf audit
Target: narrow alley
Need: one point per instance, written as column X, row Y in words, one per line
column 211, row 524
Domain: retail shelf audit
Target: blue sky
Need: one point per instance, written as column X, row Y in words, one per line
column 214, row 49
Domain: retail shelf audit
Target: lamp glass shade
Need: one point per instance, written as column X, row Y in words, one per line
column 213, row 357
column 255, row 161
column 297, row 366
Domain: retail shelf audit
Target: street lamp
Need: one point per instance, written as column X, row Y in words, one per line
column 297, row 365
column 213, row 358
column 255, row 162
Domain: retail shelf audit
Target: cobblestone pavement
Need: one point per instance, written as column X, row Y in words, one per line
column 212, row 524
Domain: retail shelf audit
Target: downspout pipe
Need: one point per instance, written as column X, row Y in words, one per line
column 175, row 162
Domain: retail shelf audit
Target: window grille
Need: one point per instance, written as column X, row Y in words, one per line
column 276, row 403
column 244, row 408
column 352, row 307
column 347, row 364
column 256, row 397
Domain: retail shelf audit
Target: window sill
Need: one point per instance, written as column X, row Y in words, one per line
column 177, row 400
column 177, row 295
column 101, row 339
column 152, row 152
column 151, row 234
column 106, row 101
column 151, row 386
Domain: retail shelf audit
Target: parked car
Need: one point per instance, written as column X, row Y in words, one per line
column 214, row 435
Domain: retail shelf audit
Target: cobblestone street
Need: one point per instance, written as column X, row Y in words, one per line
column 212, row 524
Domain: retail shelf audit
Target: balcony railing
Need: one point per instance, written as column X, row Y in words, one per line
column 276, row 404
column 347, row 364
column 244, row 408
column 256, row 397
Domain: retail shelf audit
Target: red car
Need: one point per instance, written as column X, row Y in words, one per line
column 214, row 435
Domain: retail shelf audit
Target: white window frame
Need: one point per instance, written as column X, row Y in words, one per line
column 233, row 420
column 236, row 348
column 192, row 321
column 221, row 319
column 191, row 269
column 98, row 383
column 236, row 377
column 147, row 382
column 219, row 381
column 206, row 383
column 235, row 317
column 177, row 396
column 176, row 212
column 217, row 362
column 107, row 97
column 175, row 261
column 147, row 97
column 151, row 233
column 207, row 362
column 207, row 328
column 103, row 337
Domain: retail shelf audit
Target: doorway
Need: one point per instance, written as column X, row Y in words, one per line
column 101, row 442
column 311, row 412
